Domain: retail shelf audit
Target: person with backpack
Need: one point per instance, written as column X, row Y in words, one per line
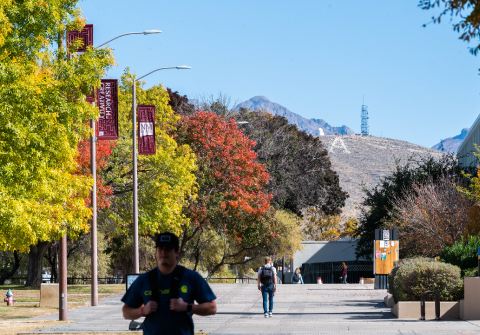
column 297, row 277
column 165, row 295
column 267, row 284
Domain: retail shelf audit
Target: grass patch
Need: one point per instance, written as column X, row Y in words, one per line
column 13, row 327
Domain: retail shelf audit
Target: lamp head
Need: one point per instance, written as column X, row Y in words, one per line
column 183, row 67
column 146, row 32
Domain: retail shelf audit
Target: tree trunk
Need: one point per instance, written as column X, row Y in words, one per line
column 35, row 257
column 12, row 272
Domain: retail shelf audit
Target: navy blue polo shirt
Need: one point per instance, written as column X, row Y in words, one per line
column 192, row 288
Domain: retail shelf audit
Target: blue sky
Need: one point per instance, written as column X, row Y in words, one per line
column 317, row 58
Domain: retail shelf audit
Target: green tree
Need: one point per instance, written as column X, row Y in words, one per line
column 44, row 117
column 462, row 253
column 165, row 181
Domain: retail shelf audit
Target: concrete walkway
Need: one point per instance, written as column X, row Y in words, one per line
column 298, row 309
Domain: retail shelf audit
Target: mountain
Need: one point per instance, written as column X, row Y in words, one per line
column 361, row 161
column 452, row 144
column 310, row 126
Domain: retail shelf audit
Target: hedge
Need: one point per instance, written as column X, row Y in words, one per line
column 413, row 277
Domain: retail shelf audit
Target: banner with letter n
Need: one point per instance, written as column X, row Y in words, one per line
column 146, row 130
column 107, row 101
column 86, row 34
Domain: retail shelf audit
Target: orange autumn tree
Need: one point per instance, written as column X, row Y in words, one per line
column 231, row 205
column 103, row 152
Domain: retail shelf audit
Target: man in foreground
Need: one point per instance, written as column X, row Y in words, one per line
column 267, row 277
column 166, row 295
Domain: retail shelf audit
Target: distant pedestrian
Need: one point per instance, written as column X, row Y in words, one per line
column 343, row 278
column 267, row 278
column 297, row 277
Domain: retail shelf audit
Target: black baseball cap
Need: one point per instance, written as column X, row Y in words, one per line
column 168, row 240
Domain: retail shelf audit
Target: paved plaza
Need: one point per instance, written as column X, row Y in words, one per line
column 298, row 309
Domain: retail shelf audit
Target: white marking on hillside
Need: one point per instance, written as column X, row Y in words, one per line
column 338, row 143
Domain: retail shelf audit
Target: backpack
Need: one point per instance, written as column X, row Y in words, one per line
column 266, row 277
column 296, row 278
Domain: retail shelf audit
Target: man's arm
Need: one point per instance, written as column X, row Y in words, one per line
column 258, row 281
column 131, row 313
column 275, row 281
column 204, row 309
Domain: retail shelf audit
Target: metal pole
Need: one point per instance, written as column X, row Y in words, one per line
column 62, row 262
column 62, row 297
column 93, row 165
column 283, row 269
column 135, row 186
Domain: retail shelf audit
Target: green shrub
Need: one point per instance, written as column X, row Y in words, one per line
column 400, row 263
column 473, row 272
column 462, row 253
column 414, row 278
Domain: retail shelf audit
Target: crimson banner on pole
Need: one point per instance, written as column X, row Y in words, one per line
column 87, row 35
column 146, row 130
column 107, row 101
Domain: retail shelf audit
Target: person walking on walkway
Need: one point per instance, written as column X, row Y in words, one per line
column 166, row 294
column 344, row 273
column 267, row 277
column 297, row 277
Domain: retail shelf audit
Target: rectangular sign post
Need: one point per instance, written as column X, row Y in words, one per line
column 478, row 274
column 107, row 101
column 146, row 130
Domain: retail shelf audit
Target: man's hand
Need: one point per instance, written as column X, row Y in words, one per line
column 178, row 305
column 150, row 307
column 259, row 288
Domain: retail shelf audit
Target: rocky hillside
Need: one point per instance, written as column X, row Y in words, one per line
column 365, row 159
column 452, row 144
column 310, row 126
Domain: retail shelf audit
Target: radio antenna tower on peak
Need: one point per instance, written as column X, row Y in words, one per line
column 364, row 119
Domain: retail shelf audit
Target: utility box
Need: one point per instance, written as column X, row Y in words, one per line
column 49, row 295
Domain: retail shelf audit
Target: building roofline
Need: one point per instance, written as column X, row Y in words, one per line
column 469, row 134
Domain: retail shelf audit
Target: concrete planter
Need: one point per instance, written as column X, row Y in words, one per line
column 389, row 300
column 411, row 310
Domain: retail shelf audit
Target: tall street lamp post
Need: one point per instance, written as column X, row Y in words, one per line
column 136, row 261
column 93, row 139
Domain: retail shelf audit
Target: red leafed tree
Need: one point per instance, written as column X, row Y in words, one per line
column 103, row 151
column 230, row 197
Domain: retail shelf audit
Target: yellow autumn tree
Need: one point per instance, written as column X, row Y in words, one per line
column 44, row 115
column 318, row 226
column 166, row 179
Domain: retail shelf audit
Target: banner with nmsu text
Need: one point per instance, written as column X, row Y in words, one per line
column 146, row 130
column 107, row 101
